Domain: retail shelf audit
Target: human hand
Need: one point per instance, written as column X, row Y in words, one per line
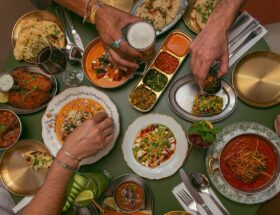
column 109, row 22
column 210, row 45
column 90, row 137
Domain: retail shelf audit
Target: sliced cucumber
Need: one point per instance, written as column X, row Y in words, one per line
column 77, row 186
column 74, row 191
column 80, row 180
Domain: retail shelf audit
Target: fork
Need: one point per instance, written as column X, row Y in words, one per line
column 188, row 201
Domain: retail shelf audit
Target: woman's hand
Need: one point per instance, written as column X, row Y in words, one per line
column 90, row 137
column 109, row 27
column 210, row 45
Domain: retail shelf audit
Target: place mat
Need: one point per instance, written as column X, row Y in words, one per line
column 208, row 201
column 249, row 45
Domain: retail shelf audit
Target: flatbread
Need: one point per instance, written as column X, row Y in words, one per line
column 36, row 35
column 203, row 9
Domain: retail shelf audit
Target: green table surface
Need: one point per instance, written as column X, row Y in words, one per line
column 164, row 200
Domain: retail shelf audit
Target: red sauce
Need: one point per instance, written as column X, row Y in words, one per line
column 166, row 62
column 9, row 128
column 129, row 196
column 250, row 141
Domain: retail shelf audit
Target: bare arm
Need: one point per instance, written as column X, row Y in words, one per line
column 86, row 140
column 211, row 44
column 109, row 22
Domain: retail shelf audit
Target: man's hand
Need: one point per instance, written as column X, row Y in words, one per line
column 210, row 45
column 90, row 137
column 109, row 22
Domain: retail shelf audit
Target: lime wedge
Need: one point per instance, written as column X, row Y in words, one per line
column 110, row 202
column 3, row 97
column 84, row 198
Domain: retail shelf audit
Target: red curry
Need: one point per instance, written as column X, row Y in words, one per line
column 248, row 162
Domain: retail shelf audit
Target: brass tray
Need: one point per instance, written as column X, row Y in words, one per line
column 153, row 66
column 36, row 14
column 256, row 79
column 17, row 176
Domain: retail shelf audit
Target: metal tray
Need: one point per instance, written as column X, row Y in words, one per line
column 152, row 66
column 37, row 70
column 181, row 97
column 180, row 13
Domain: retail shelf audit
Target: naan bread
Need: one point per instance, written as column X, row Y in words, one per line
column 34, row 36
column 203, row 9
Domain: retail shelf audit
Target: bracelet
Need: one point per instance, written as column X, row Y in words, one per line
column 85, row 12
column 64, row 165
column 98, row 3
column 71, row 156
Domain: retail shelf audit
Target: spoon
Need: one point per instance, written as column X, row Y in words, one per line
column 73, row 53
column 201, row 182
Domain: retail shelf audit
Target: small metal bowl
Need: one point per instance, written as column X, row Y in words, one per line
column 212, row 84
column 20, row 129
column 124, row 209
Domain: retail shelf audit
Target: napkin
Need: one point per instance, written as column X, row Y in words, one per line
column 208, row 201
column 249, row 45
column 22, row 204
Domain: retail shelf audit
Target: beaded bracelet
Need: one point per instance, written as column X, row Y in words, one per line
column 64, row 165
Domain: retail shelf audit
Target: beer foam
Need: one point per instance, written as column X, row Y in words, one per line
column 141, row 35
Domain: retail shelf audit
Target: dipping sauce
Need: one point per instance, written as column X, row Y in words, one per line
column 155, row 80
column 166, row 62
column 248, row 162
column 143, row 97
column 178, row 44
column 129, row 196
column 9, row 128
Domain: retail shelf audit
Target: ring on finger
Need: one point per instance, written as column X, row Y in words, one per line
column 117, row 43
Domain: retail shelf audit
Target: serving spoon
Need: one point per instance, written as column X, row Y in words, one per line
column 73, row 53
column 201, row 183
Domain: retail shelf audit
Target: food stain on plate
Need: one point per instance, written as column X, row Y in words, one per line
column 73, row 114
column 99, row 70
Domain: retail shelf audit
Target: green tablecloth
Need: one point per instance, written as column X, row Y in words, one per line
column 114, row 162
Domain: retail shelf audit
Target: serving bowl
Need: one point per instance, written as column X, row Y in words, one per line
column 18, row 126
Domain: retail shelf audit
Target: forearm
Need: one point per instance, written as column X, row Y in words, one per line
column 224, row 14
column 78, row 6
column 50, row 198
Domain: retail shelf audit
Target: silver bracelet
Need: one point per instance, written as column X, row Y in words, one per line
column 85, row 12
column 71, row 156
column 64, row 165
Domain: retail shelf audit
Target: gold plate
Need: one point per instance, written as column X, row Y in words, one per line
column 36, row 14
column 124, row 5
column 17, row 176
column 256, row 79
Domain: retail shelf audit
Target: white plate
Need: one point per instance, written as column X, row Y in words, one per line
column 169, row 167
column 68, row 95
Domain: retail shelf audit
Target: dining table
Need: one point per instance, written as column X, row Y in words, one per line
column 114, row 162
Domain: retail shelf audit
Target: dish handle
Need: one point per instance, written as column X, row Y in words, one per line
column 210, row 163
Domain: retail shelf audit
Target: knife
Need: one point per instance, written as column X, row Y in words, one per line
column 197, row 198
column 77, row 39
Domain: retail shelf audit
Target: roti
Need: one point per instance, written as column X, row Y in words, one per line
column 36, row 35
column 203, row 9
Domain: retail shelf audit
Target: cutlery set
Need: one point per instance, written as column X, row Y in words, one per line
column 193, row 199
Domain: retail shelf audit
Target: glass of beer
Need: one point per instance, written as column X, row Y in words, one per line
column 142, row 37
